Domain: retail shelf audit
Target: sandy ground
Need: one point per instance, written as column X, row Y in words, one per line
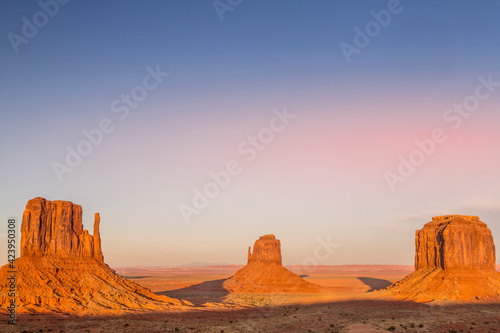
column 349, row 306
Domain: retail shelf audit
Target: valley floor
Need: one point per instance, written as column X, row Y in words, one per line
column 350, row 306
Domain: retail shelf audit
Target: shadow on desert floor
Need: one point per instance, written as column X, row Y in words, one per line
column 320, row 317
column 374, row 283
column 212, row 291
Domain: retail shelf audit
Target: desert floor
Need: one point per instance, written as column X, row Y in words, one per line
column 348, row 306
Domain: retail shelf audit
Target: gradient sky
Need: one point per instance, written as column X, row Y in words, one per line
column 322, row 177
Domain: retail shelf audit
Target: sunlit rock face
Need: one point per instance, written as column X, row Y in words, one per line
column 455, row 241
column 454, row 260
column 62, row 269
column 54, row 228
column 264, row 272
column 267, row 249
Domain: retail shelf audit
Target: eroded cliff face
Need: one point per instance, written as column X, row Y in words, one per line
column 454, row 260
column 54, row 228
column 264, row 272
column 62, row 269
column 267, row 249
column 97, row 238
column 455, row 241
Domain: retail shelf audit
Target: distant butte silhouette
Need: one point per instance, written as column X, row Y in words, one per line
column 62, row 269
column 454, row 260
column 264, row 272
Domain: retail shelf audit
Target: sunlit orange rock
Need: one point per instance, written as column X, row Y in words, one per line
column 61, row 268
column 267, row 249
column 454, row 260
column 54, row 228
column 264, row 272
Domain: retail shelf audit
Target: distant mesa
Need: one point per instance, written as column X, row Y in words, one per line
column 454, row 260
column 264, row 272
column 62, row 269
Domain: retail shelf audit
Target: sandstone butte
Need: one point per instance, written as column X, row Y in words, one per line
column 264, row 272
column 454, row 260
column 61, row 268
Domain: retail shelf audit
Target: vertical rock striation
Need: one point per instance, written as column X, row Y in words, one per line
column 455, row 241
column 454, row 260
column 97, row 239
column 62, row 269
column 54, row 228
column 267, row 249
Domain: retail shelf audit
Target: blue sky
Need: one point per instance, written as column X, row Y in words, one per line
column 323, row 175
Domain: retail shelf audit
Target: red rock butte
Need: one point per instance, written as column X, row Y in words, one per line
column 454, row 260
column 266, row 250
column 264, row 272
column 62, row 269
column 55, row 228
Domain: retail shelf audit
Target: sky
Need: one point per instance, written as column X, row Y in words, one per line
column 339, row 126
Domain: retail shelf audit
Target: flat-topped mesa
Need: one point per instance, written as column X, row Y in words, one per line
column 267, row 249
column 444, row 218
column 454, row 261
column 455, row 242
column 54, row 228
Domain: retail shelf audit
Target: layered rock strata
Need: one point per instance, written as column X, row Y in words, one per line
column 454, row 260
column 62, row 269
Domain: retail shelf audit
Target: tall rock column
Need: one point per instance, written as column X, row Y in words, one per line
column 61, row 269
column 97, row 239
